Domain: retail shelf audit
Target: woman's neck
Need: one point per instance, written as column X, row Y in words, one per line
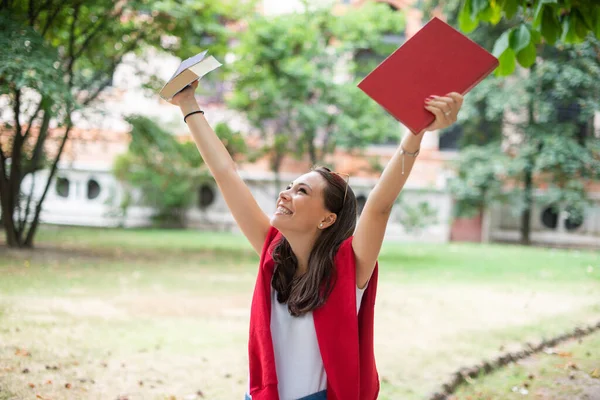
column 302, row 246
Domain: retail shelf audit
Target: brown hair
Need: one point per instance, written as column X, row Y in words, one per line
column 311, row 290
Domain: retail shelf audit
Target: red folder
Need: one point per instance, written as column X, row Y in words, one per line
column 435, row 61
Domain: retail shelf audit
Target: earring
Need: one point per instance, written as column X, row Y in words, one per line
column 320, row 226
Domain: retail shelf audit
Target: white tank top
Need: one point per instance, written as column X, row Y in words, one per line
column 298, row 362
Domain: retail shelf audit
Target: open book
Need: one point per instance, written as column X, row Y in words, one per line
column 189, row 70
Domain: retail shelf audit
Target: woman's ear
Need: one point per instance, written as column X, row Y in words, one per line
column 327, row 221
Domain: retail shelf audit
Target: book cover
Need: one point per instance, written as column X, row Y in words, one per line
column 189, row 71
column 435, row 61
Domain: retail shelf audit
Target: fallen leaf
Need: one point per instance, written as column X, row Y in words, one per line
column 199, row 393
column 22, row 353
column 31, row 385
column 49, row 382
column 68, row 385
column 595, row 373
column 571, row 365
column 565, row 354
column 25, row 371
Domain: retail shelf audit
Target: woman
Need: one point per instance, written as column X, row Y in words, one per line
column 311, row 325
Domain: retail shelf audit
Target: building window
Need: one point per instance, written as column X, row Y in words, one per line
column 574, row 219
column 361, row 200
column 93, row 189
column 550, row 218
column 206, row 196
column 450, row 138
column 62, row 187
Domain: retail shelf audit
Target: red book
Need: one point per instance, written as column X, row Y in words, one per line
column 435, row 61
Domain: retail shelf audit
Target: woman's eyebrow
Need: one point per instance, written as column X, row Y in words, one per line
column 302, row 184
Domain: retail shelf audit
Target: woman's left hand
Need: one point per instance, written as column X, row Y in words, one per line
column 445, row 109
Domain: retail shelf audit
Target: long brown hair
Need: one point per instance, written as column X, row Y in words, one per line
column 311, row 290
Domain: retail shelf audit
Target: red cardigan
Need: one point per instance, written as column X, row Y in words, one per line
column 345, row 339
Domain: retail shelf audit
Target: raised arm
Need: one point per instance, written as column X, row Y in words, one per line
column 375, row 215
column 250, row 218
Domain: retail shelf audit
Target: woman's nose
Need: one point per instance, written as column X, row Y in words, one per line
column 284, row 195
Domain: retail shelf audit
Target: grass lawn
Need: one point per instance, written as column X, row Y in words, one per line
column 149, row 314
column 570, row 371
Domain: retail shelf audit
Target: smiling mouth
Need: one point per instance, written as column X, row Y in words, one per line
column 283, row 210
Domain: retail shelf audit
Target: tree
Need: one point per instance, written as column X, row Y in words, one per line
column 294, row 80
column 552, row 144
column 57, row 59
column 165, row 172
column 549, row 20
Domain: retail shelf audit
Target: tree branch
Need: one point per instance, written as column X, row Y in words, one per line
column 31, row 13
column 95, row 29
column 38, row 208
column 36, row 156
column 14, row 181
column 112, row 69
column 71, row 50
column 33, row 117
column 37, row 12
column 51, row 18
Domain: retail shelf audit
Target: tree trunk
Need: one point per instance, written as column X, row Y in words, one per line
column 528, row 188
column 526, row 213
column 8, row 221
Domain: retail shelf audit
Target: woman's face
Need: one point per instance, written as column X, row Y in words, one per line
column 301, row 206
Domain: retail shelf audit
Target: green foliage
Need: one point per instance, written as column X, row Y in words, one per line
column 480, row 177
column 549, row 21
column 415, row 217
column 59, row 56
column 164, row 171
column 27, row 61
column 554, row 140
column 294, row 80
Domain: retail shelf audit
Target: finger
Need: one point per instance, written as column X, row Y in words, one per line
column 440, row 115
column 458, row 98
column 443, row 105
column 194, row 85
column 450, row 102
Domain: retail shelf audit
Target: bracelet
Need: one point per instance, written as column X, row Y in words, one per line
column 193, row 112
column 403, row 152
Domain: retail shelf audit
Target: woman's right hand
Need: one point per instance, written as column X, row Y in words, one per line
column 186, row 96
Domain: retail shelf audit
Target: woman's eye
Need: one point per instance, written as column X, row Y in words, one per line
column 302, row 190
column 288, row 187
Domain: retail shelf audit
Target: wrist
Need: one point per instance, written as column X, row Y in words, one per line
column 411, row 142
column 189, row 105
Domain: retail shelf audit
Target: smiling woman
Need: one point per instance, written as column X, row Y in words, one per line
column 311, row 324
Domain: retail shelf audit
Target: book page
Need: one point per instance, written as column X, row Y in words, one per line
column 188, row 63
column 207, row 65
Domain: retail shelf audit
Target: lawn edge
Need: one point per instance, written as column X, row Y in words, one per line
column 467, row 374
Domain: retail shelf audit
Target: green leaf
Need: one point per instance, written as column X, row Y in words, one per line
column 465, row 22
column 526, row 57
column 501, row 44
column 519, row 38
column 579, row 24
column 510, row 8
column 596, row 27
column 478, row 6
column 537, row 16
column 496, row 15
column 507, row 63
column 551, row 29
column 536, row 36
column 570, row 30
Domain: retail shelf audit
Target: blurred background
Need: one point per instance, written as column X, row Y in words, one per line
column 123, row 274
